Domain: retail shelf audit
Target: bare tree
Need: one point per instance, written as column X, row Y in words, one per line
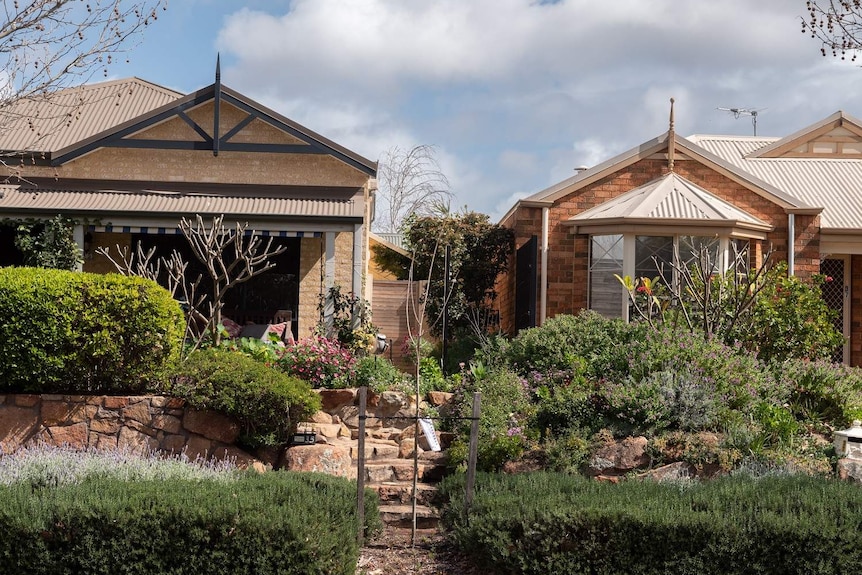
column 229, row 256
column 411, row 182
column 48, row 45
column 837, row 24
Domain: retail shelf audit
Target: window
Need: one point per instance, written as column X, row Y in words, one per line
column 606, row 259
column 652, row 256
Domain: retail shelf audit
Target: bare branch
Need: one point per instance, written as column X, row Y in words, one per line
column 411, row 182
column 837, row 24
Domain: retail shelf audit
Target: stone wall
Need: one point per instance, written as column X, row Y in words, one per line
column 154, row 423
column 137, row 423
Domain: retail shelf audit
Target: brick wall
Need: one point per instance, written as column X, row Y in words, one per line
column 568, row 257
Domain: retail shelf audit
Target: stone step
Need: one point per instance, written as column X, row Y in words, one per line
column 398, row 470
column 401, row 493
column 402, row 516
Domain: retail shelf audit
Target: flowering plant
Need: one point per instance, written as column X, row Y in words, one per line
column 319, row 361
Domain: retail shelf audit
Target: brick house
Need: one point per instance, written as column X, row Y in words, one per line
column 799, row 196
column 127, row 159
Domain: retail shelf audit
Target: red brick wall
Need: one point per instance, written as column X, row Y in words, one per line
column 568, row 257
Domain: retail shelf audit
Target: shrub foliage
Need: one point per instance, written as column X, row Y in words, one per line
column 74, row 332
column 260, row 523
column 267, row 403
column 553, row 523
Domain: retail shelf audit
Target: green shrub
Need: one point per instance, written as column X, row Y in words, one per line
column 70, row 332
column 505, row 412
column 267, row 403
column 540, row 523
column 822, row 392
column 789, row 319
column 378, row 374
column 564, row 342
column 261, row 523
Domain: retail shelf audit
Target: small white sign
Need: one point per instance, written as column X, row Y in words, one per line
column 430, row 434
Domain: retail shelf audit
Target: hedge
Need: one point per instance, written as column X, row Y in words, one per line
column 552, row 523
column 266, row 402
column 273, row 523
column 72, row 332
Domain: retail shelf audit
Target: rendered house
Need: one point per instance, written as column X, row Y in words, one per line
column 799, row 196
column 127, row 159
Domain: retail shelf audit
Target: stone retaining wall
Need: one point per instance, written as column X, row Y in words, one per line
column 137, row 423
column 154, row 423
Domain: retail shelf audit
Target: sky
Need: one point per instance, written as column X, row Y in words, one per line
column 512, row 94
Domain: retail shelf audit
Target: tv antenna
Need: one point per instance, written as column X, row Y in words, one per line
column 737, row 112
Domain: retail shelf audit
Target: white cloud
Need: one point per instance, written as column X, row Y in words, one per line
column 515, row 94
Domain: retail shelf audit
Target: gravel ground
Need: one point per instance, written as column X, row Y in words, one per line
column 390, row 553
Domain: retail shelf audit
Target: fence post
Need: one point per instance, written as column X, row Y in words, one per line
column 360, row 467
column 473, row 455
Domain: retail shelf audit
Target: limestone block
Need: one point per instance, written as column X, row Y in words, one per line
column 850, row 470
column 27, row 400
column 321, row 417
column 329, row 459
column 112, row 402
column 439, row 398
column 212, row 425
column 239, row 457
column 56, row 412
column 17, row 425
column 141, row 428
column 102, row 441
column 135, row 441
column 173, row 444
column 83, row 413
column 328, row 430
column 334, row 399
column 75, row 435
column 110, row 426
column 672, row 472
column 390, row 403
column 198, row 447
column 167, row 423
column 138, row 411
column 620, row 457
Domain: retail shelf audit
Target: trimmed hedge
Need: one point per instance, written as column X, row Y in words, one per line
column 72, row 332
column 273, row 523
column 553, row 523
column 267, row 402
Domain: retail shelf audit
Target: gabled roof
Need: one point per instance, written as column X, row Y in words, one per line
column 669, row 199
column 54, row 121
column 659, row 145
column 119, row 135
column 829, row 181
column 829, row 136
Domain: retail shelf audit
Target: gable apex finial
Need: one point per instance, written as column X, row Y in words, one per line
column 670, row 138
column 218, row 68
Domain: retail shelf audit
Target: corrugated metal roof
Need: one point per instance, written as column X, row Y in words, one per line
column 834, row 183
column 670, row 197
column 67, row 116
column 166, row 202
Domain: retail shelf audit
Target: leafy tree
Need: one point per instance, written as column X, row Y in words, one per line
column 479, row 252
column 837, row 24
column 410, row 183
column 49, row 244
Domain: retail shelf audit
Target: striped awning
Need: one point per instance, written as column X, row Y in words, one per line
column 162, row 231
